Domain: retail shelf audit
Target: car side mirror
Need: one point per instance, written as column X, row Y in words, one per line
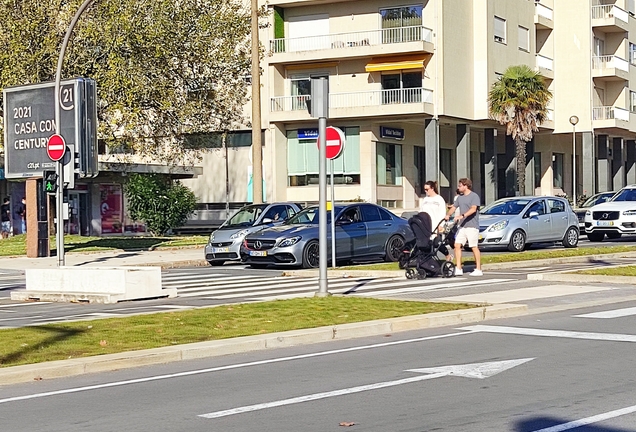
column 267, row 220
column 533, row 214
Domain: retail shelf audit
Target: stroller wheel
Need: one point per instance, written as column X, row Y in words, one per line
column 448, row 269
column 421, row 274
column 410, row 274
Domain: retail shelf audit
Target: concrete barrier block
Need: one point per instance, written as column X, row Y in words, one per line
column 98, row 284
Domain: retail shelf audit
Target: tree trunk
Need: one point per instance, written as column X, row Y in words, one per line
column 520, row 147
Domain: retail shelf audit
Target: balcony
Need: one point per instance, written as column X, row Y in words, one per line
column 357, row 104
column 610, row 117
column 610, row 68
column 610, row 18
column 543, row 18
column 399, row 40
column 545, row 66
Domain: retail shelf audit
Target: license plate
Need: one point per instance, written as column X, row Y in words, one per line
column 258, row 253
column 481, row 237
column 605, row 223
column 220, row 250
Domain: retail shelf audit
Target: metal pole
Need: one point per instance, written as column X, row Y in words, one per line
column 574, row 165
column 322, row 206
column 333, row 220
column 227, row 178
column 59, row 167
column 257, row 145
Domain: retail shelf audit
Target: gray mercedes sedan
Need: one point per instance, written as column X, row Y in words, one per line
column 363, row 232
column 225, row 243
column 517, row 222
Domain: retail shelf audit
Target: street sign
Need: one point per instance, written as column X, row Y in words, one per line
column 335, row 142
column 55, row 147
column 29, row 121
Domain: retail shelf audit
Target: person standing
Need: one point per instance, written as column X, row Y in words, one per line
column 435, row 206
column 5, row 218
column 21, row 212
column 468, row 203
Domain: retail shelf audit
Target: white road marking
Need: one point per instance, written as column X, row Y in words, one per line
column 613, row 337
column 475, row 370
column 228, row 367
column 590, row 420
column 521, row 294
column 616, row 313
column 22, row 304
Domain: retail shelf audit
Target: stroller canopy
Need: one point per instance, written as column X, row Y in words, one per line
column 422, row 227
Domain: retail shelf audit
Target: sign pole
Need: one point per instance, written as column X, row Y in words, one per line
column 59, row 167
column 333, row 220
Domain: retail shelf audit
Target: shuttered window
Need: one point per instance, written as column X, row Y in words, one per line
column 524, row 39
column 500, row 30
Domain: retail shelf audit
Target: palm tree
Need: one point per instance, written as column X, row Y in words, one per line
column 519, row 100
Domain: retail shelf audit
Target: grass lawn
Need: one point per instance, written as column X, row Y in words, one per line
column 467, row 257
column 16, row 245
column 106, row 336
column 614, row 271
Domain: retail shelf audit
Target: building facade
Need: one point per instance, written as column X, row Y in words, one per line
column 409, row 85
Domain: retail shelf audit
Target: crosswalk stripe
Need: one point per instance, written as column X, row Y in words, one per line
column 254, row 282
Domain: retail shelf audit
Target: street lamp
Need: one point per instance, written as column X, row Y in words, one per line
column 573, row 121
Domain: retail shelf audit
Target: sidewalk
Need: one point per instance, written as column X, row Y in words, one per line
column 165, row 258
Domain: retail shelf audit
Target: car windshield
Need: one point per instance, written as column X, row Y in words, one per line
column 506, row 207
column 625, row 195
column 307, row 216
column 597, row 199
column 244, row 217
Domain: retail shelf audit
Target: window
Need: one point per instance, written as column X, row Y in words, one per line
column 401, row 24
column 302, row 159
column 300, row 87
column 419, row 159
column 537, row 170
column 402, row 87
column 538, row 207
column 370, row 213
column 632, row 53
column 556, row 206
column 632, row 101
column 557, row 169
column 500, row 30
column 389, row 164
column 524, row 39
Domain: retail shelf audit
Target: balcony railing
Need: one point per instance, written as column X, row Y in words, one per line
column 355, row 39
column 609, row 11
column 544, row 11
column 609, row 61
column 357, row 99
column 545, row 62
column 610, row 113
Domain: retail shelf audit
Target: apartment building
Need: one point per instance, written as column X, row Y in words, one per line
column 409, row 84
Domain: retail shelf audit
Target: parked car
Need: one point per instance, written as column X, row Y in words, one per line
column 591, row 202
column 612, row 218
column 363, row 232
column 225, row 243
column 517, row 222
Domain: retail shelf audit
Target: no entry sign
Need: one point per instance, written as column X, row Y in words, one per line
column 56, row 147
column 335, row 142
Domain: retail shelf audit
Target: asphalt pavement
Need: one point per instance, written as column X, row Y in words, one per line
column 543, row 295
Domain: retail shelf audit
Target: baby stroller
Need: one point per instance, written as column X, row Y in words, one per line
column 420, row 258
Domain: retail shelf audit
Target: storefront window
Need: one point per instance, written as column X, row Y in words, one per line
column 557, row 169
column 389, row 164
column 111, row 208
column 302, row 158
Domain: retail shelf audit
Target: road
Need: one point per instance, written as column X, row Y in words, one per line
column 551, row 372
column 208, row 286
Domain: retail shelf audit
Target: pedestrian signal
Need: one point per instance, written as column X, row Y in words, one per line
column 50, row 182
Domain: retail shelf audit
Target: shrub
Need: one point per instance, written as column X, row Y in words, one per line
column 158, row 201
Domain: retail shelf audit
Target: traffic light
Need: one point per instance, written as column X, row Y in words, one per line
column 49, row 181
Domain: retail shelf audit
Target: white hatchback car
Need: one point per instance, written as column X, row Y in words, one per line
column 613, row 218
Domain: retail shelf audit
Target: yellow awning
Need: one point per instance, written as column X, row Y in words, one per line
column 389, row 64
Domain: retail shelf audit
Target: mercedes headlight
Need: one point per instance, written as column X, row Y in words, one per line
column 629, row 213
column 498, row 226
column 588, row 213
column 211, row 237
column 240, row 234
column 289, row 242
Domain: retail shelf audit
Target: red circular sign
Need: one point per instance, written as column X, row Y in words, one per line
column 335, row 142
column 56, row 147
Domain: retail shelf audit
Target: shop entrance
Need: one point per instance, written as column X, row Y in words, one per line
column 78, row 213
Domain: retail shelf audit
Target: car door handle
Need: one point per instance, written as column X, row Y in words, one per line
column 547, row 221
column 387, row 224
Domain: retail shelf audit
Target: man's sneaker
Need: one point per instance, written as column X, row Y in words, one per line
column 459, row 272
column 477, row 273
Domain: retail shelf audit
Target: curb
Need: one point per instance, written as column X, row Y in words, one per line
column 199, row 350
column 573, row 277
